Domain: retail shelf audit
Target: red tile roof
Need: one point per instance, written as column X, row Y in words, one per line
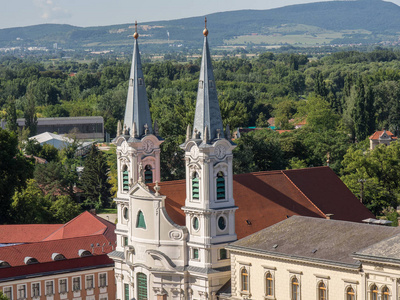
column 86, row 232
column 266, row 198
column 26, row 233
column 85, row 224
column 377, row 134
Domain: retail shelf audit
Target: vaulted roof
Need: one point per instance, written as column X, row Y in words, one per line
column 266, row 198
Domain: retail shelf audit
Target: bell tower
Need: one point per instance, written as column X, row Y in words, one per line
column 138, row 143
column 209, row 205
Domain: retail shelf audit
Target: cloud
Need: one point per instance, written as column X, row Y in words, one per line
column 51, row 11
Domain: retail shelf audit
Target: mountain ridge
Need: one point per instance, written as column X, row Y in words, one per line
column 373, row 19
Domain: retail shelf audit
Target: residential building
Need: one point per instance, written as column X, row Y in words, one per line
column 313, row 258
column 381, row 137
column 56, row 261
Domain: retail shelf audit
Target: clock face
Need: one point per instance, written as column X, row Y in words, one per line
column 124, row 147
column 220, row 151
column 148, row 146
column 194, row 151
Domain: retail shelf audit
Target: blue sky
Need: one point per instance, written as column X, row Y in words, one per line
column 16, row 13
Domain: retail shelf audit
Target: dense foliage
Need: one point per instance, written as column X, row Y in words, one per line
column 342, row 98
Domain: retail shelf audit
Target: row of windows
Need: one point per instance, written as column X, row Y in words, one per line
column 322, row 289
column 220, row 184
column 223, row 254
column 49, row 286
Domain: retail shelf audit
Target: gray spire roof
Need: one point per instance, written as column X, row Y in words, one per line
column 137, row 105
column 207, row 106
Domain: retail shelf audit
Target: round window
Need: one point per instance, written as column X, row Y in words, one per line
column 126, row 215
column 221, row 223
column 196, row 224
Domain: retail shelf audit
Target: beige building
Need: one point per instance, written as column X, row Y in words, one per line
column 312, row 258
column 381, row 137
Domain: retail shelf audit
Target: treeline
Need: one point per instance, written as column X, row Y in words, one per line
column 342, row 98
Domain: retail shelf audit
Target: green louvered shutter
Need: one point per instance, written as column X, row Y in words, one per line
column 142, row 286
column 140, row 223
column 148, row 176
column 220, row 186
column 125, row 180
column 195, row 187
column 126, row 286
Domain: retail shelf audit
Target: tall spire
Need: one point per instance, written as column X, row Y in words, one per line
column 207, row 107
column 137, row 105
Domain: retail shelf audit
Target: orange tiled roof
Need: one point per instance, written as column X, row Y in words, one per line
column 26, row 233
column 377, row 134
column 266, row 198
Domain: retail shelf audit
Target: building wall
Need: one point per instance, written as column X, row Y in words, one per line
column 336, row 280
column 107, row 292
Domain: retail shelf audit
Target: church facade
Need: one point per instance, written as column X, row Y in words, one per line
column 156, row 258
column 172, row 236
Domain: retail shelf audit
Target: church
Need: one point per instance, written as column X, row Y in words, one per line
column 172, row 237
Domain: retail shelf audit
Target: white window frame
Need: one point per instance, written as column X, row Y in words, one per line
column 86, row 281
column 73, row 284
column 66, row 285
column 247, row 268
column 270, row 270
column 106, row 280
column 32, row 290
column 103, row 297
column 11, row 292
column 52, row 287
column 25, row 296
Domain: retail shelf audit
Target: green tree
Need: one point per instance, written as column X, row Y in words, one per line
column 11, row 117
column 29, row 206
column 64, row 209
column 15, row 169
column 30, row 113
column 94, row 180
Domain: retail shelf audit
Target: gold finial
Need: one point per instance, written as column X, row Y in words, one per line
column 136, row 35
column 205, row 31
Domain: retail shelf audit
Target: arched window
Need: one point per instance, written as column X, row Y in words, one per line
column 269, row 285
column 223, row 254
column 321, row 291
column 140, row 223
column 195, row 186
column 125, row 179
column 148, row 174
column 245, row 280
column 220, row 186
column 295, row 289
column 374, row 292
column 141, row 286
column 385, row 293
column 350, row 295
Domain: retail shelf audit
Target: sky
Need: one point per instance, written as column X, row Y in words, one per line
column 17, row 13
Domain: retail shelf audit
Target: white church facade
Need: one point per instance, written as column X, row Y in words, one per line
column 172, row 236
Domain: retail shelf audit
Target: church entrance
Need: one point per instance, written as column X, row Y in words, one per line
column 141, row 286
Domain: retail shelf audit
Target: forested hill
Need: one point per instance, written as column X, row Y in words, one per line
column 340, row 21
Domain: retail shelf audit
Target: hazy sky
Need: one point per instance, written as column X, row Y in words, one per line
column 15, row 13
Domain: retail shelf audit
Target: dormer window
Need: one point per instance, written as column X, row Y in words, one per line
column 195, row 186
column 125, row 179
column 220, row 186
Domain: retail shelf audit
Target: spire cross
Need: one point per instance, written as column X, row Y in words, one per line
column 135, row 26
column 205, row 22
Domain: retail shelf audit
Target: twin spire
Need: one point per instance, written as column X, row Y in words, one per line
column 137, row 113
column 207, row 121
